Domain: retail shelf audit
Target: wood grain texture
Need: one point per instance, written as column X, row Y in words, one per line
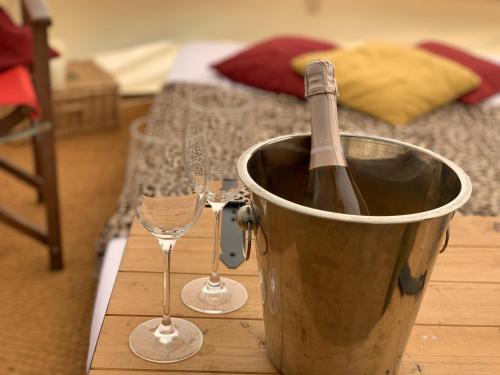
column 236, row 346
column 230, row 345
column 190, row 255
column 449, row 365
column 468, row 304
column 127, row 372
column 444, row 303
column 166, row 372
column 475, row 231
column 471, row 264
column 458, row 341
column 141, row 294
column 457, row 263
column 410, row 365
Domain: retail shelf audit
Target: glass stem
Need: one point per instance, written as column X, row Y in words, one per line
column 214, row 279
column 166, row 322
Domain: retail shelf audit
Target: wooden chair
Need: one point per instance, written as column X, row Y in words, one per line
column 45, row 180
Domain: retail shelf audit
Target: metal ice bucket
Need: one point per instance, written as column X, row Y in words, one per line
column 340, row 293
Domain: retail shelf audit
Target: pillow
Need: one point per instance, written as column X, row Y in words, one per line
column 488, row 71
column 194, row 61
column 16, row 43
column 392, row 82
column 266, row 65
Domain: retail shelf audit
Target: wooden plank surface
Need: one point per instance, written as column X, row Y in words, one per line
column 236, row 345
column 411, row 365
column 230, row 345
column 458, row 341
column 445, row 303
column 448, row 365
column 133, row 372
column 190, row 255
column 468, row 304
column 457, row 331
column 475, row 231
column 141, row 294
column 468, row 264
column 472, row 264
column 128, row 372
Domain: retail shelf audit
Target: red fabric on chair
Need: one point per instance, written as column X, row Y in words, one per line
column 16, row 43
column 488, row 71
column 16, row 88
column 266, row 65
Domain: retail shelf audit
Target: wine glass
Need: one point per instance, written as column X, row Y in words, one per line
column 169, row 197
column 227, row 118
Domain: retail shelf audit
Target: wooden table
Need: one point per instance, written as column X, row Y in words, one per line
column 457, row 331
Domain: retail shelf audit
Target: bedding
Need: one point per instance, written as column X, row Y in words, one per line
column 468, row 135
column 266, row 65
column 393, row 82
column 194, row 59
column 489, row 71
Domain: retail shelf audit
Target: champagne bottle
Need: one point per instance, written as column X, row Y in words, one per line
column 330, row 185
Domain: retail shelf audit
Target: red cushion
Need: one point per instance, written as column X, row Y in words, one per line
column 15, row 43
column 266, row 65
column 488, row 71
column 16, row 88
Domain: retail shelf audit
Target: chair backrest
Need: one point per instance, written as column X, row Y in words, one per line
column 36, row 16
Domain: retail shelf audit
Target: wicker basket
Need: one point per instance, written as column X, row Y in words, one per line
column 88, row 101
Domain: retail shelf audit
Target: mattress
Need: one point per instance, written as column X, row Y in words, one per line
column 193, row 63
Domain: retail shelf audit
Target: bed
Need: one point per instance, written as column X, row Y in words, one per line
column 468, row 135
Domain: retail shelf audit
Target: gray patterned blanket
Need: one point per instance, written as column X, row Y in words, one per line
column 468, row 135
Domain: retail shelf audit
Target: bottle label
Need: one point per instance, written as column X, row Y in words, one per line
column 326, row 149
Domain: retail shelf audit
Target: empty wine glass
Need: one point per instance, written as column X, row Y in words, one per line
column 169, row 196
column 227, row 118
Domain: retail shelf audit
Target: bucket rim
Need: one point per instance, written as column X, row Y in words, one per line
column 453, row 205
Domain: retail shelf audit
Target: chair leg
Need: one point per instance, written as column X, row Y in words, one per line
column 50, row 193
column 37, row 158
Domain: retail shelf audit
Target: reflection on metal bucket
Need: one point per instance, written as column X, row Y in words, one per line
column 262, row 284
column 273, row 293
column 343, row 291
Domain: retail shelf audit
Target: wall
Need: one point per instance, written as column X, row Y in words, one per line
column 89, row 26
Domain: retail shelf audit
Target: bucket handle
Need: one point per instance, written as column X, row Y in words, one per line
column 246, row 219
column 447, row 237
column 446, row 240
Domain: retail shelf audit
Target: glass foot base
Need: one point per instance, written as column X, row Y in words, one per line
column 199, row 296
column 148, row 343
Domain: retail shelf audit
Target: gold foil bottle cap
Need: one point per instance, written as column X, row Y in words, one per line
column 320, row 78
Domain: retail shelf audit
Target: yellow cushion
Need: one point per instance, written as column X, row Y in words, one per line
column 392, row 82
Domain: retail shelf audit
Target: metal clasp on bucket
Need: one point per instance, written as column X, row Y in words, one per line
column 247, row 220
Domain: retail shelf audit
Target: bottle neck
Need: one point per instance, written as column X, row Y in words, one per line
column 326, row 149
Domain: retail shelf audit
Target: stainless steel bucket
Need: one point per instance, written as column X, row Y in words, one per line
column 340, row 292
